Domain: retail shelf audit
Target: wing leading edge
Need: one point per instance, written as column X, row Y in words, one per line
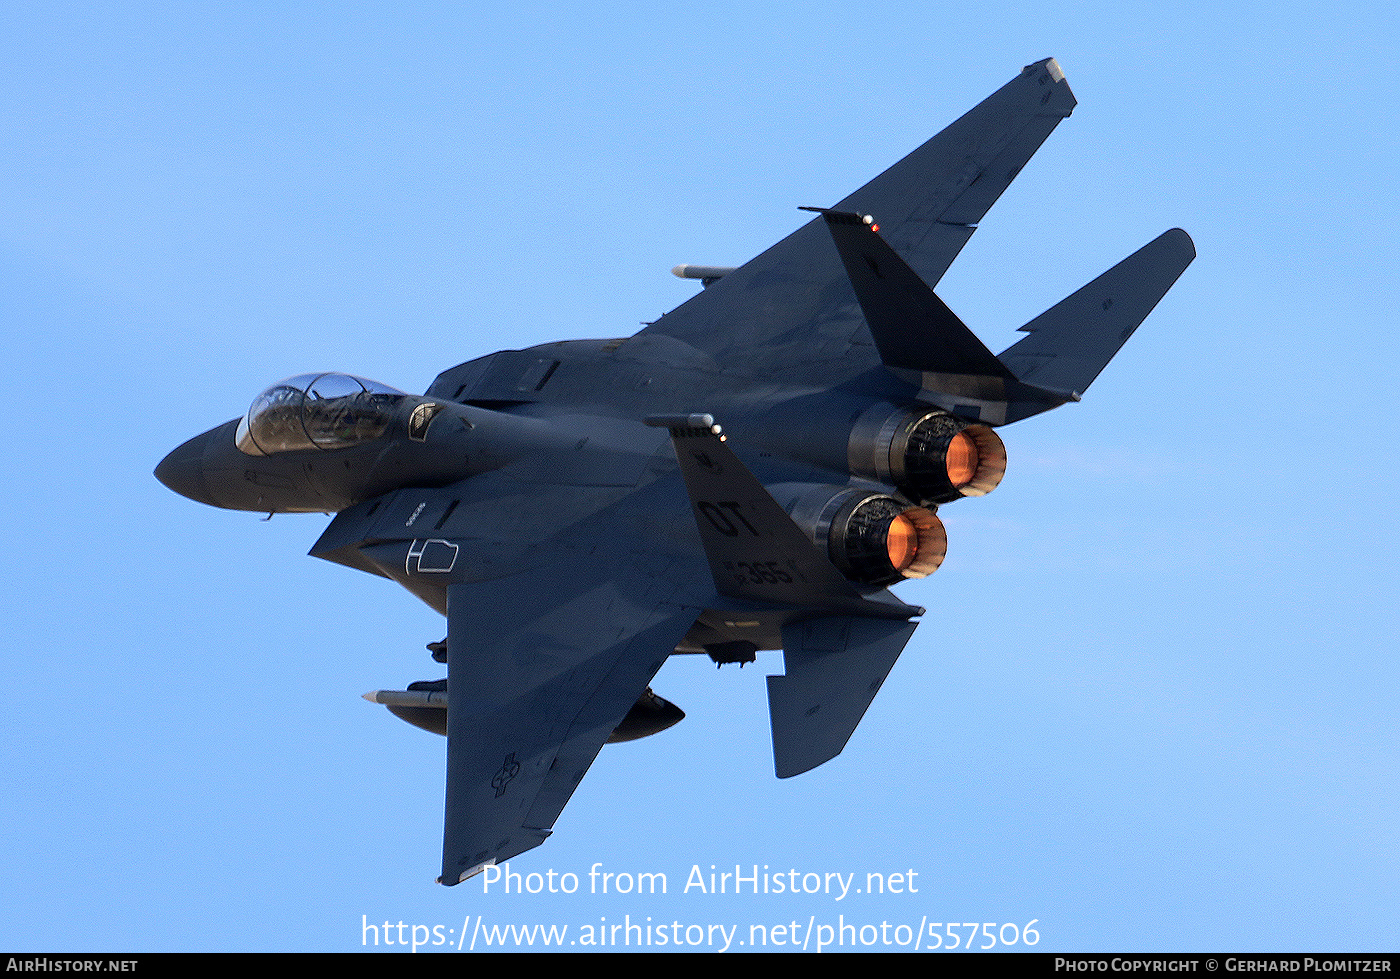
column 927, row 205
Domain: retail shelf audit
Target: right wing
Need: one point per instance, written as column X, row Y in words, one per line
column 542, row 666
column 793, row 304
column 562, row 601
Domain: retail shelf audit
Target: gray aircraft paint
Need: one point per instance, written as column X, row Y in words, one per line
column 751, row 471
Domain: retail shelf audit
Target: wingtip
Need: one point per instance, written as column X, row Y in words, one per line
column 446, row 881
column 1057, row 74
column 1045, row 82
column 1181, row 239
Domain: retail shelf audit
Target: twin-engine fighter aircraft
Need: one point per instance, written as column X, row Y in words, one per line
column 749, row 472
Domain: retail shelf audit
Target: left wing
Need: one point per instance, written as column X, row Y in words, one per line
column 542, row 667
column 791, row 307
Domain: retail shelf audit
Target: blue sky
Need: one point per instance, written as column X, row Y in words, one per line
column 1152, row 706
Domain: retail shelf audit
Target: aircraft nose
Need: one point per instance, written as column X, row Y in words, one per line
column 183, row 471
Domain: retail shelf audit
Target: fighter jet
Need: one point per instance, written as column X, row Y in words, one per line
column 752, row 471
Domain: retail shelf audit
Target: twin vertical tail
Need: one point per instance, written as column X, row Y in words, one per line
column 1069, row 344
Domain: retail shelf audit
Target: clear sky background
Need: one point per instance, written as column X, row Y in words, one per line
column 1153, row 704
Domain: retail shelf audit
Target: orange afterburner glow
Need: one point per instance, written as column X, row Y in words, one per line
column 902, row 542
column 961, row 459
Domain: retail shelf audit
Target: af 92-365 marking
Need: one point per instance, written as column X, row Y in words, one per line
column 727, row 518
column 764, row 572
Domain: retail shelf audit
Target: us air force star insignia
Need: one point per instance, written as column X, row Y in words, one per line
column 508, row 771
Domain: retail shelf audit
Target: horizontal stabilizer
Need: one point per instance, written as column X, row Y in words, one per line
column 835, row 666
column 911, row 326
column 1070, row 343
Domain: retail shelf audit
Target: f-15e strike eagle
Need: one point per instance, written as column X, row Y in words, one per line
column 752, row 471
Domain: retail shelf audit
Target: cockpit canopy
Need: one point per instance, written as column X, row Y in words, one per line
column 320, row 411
